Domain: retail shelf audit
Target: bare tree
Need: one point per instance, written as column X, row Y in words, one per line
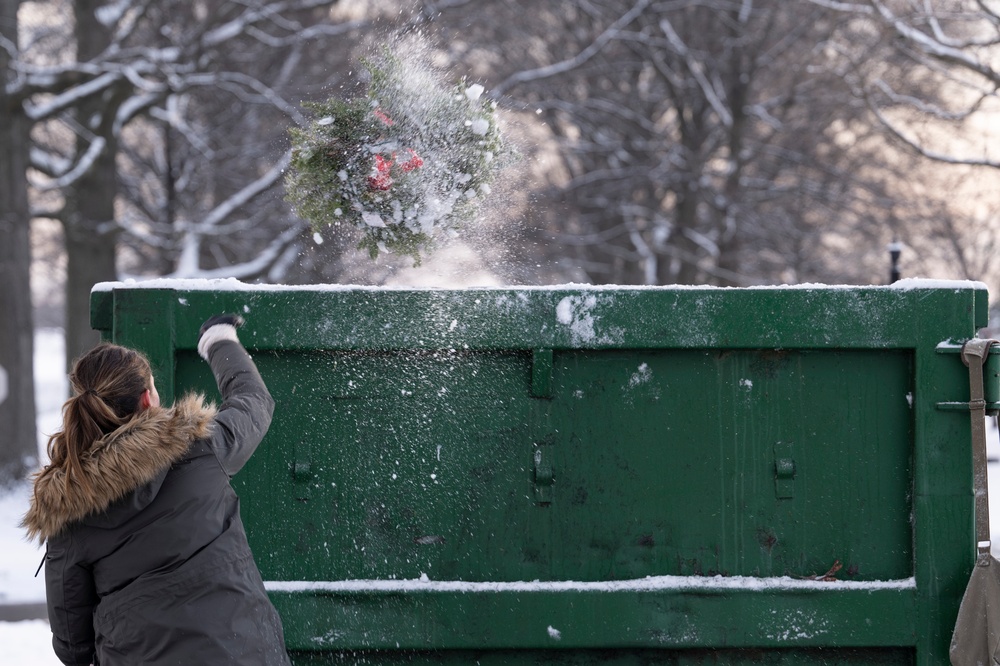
column 929, row 72
column 76, row 90
column 17, row 399
column 703, row 140
column 949, row 45
column 138, row 63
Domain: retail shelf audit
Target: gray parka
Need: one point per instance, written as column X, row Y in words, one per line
column 152, row 566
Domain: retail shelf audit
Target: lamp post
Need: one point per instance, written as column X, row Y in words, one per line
column 895, row 249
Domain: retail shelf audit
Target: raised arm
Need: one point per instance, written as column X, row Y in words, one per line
column 247, row 406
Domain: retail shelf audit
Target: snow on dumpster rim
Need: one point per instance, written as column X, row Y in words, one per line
column 233, row 284
column 648, row 584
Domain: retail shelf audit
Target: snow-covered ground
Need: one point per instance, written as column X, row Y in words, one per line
column 29, row 641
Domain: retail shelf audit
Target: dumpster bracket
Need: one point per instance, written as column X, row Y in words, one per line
column 544, row 473
column 784, row 471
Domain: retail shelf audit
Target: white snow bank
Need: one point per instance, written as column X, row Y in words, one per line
column 19, row 559
column 27, row 642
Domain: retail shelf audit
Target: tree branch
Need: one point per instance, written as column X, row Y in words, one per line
column 227, row 207
column 919, row 149
column 248, row 270
column 82, row 166
column 71, row 97
column 697, row 69
column 577, row 60
column 935, row 48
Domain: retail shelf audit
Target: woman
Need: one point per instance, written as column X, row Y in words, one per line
column 147, row 561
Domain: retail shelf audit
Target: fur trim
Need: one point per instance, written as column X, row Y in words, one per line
column 117, row 464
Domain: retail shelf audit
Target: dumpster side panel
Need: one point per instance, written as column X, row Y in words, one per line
column 371, row 473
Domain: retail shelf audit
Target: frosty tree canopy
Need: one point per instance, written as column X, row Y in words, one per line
column 410, row 159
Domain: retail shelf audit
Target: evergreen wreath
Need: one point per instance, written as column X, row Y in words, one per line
column 410, row 159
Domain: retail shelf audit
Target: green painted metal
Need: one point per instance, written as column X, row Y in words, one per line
column 598, row 475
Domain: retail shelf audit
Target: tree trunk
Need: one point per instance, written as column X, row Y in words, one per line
column 682, row 268
column 90, row 255
column 741, row 72
column 18, row 436
column 91, row 231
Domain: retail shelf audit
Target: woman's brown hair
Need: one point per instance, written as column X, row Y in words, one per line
column 107, row 384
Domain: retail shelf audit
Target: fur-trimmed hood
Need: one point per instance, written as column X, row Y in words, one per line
column 117, row 465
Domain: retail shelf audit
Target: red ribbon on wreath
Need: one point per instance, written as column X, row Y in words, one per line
column 381, row 115
column 413, row 163
column 381, row 179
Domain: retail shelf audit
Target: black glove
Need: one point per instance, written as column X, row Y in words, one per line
column 233, row 320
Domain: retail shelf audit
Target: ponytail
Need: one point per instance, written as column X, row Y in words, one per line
column 107, row 383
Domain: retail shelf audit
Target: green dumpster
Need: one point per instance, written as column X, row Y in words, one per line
column 585, row 475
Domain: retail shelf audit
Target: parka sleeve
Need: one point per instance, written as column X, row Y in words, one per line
column 245, row 413
column 71, row 599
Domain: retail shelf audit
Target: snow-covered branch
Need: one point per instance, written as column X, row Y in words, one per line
column 125, row 16
column 967, row 63
column 266, row 93
column 135, row 106
column 231, row 29
column 852, row 7
column 82, row 166
column 9, row 46
column 713, row 93
column 35, row 79
column 174, row 116
column 918, row 147
column 989, row 11
column 649, row 257
column 940, row 35
column 188, row 266
column 245, row 195
column 577, row 60
column 935, row 48
column 71, row 97
column 927, row 108
column 49, row 163
column 312, row 32
column 188, row 263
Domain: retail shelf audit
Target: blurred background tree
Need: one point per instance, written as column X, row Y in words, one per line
column 728, row 142
column 88, row 84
